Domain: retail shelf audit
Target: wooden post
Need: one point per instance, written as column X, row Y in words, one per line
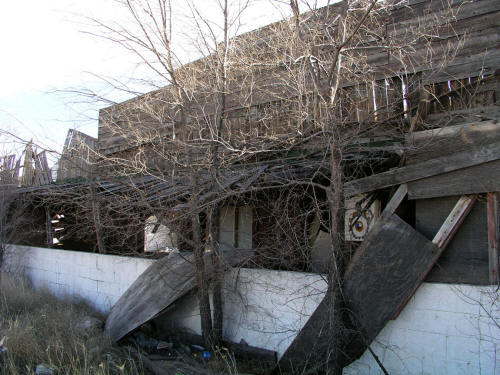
column 96, row 213
column 28, row 166
column 493, row 235
column 48, row 228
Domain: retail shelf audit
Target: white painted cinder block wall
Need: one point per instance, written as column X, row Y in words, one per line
column 265, row 308
column 445, row 328
column 99, row 279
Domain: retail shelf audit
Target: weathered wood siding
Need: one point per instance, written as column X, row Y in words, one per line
column 467, row 47
column 78, row 156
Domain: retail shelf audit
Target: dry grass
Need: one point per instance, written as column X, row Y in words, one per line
column 38, row 328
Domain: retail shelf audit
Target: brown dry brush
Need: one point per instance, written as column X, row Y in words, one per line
column 37, row 328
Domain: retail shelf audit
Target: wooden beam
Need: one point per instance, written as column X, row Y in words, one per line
column 444, row 236
column 396, row 200
column 96, row 214
column 478, row 179
column 453, row 221
column 425, row 169
column 493, row 235
column 311, row 345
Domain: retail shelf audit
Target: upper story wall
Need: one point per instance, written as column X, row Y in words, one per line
column 398, row 51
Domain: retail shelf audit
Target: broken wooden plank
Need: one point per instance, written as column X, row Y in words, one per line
column 493, row 222
column 388, row 266
column 477, row 179
column 425, row 169
column 396, row 200
column 453, row 221
column 163, row 283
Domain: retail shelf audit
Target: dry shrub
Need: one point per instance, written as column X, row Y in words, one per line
column 39, row 328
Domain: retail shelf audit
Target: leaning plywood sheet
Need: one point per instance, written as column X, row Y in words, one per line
column 163, row 283
column 310, row 350
column 387, row 268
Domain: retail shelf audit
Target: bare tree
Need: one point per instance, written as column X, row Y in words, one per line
column 279, row 118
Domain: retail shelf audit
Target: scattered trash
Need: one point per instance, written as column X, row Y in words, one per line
column 88, row 324
column 3, row 349
column 164, row 345
column 207, row 354
column 184, row 349
column 108, row 357
column 44, row 369
column 145, row 342
column 168, row 356
column 198, row 347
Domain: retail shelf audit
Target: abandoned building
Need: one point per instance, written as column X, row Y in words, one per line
column 249, row 169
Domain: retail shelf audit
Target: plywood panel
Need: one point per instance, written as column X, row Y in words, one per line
column 157, row 288
column 387, row 268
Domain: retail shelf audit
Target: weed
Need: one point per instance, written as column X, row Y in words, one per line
column 39, row 329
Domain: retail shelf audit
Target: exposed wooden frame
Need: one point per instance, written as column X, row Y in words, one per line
column 396, row 200
column 453, row 221
column 493, row 235
column 424, row 169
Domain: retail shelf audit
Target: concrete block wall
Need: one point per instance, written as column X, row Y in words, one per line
column 99, row 279
column 445, row 329
column 265, row 308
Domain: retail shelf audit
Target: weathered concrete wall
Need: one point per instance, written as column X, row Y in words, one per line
column 99, row 279
column 445, row 329
column 265, row 308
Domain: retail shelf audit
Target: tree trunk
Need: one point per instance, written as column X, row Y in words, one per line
column 201, row 275
column 336, row 261
column 96, row 214
column 218, row 276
